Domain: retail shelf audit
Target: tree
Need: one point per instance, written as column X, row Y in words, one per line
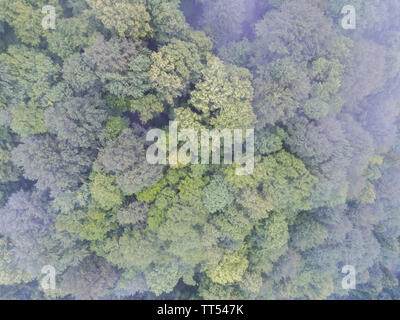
column 325, row 150
column 119, row 66
column 135, row 214
column 148, row 107
column 209, row 290
column 51, row 163
column 92, row 279
column 269, row 241
column 380, row 119
column 130, row 287
column 29, row 224
column 71, row 35
column 251, row 283
column 372, row 16
column 336, row 221
column 280, row 89
column 126, row 18
column 234, row 226
column 326, row 75
column 178, row 216
column 175, row 67
column 387, row 187
column 217, row 195
column 78, row 121
column 307, row 233
column 28, row 119
column 134, row 250
column 223, row 97
column 269, row 140
column 163, row 279
column 33, row 72
column 254, row 204
column 360, row 78
column 8, row 172
column 6, row 84
column 76, row 189
column 78, row 75
column 104, row 190
column 125, row 158
column 9, row 274
column 77, row 6
column 237, row 53
column 168, row 21
column 184, row 243
column 224, row 19
column 285, row 179
column 25, row 17
column 287, row 265
column 80, row 215
column 298, row 29
column 363, row 151
column 285, row 88
column 313, row 285
column 115, row 126
column 230, row 269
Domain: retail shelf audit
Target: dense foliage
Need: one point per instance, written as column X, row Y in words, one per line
column 77, row 193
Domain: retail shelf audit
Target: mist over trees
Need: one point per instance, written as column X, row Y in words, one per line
column 76, row 190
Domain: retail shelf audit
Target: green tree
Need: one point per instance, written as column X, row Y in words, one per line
column 26, row 18
column 224, row 19
column 287, row 182
column 104, row 190
column 51, row 163
column 118, row 66
column 217, row 195
column 233, row 225
column 209, row 290
column 8, row 171
column 71, row 35
column 269, row 242
column 135, row 214
column 8, row 273
column 163, row 279
column 133, row 250
column 281, row 88
column 223, row 97
column 298, row 29
column 29, row 223
column 126, row 18
column 79, row 214
column 168, row 21
column 92, row 279
column 78, row 121
column 325, row 150
column 148, row 107
column 125, row 157
column 255, row 205
column 230, row 269
column 175, row 67
column 307, row 233
column 6, row 83
column 33, row 72
column 27, row 119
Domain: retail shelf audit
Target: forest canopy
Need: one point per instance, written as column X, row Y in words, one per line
column 76, row 190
